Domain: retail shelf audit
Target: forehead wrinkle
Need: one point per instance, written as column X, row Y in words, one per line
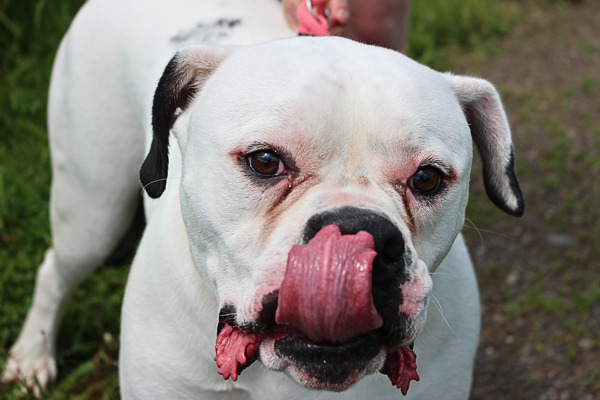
column 410, row 140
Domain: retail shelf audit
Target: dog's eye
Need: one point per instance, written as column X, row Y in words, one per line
column 266, row 164
column 427, row 180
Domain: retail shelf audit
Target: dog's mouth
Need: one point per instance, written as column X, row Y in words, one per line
column 325, row 330
column 338, row 366
column 320, row 366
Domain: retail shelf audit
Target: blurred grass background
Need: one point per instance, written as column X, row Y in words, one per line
column 29, row 35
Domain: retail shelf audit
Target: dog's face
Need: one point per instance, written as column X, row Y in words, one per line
column 322, row 182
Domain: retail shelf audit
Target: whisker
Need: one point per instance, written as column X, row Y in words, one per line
column 282, row 386
column 199, row 289
column 480, row 231
column 473, row 226
column 439, row 273
column 438, row 305
column 494, row 233
column 158, row 180
column 227, row 315
column 177, row 278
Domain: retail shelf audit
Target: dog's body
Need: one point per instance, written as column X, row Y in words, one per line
column 354, row 133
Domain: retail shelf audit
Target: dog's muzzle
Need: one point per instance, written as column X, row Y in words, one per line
column 338, row 313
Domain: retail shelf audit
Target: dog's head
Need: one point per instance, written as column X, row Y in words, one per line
column 323, row 180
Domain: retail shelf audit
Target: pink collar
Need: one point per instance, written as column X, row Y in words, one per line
column 313, row 17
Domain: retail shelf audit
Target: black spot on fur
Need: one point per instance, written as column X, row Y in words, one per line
column 395, row 327
column 226, row 315
column 207, row 32
column 266, row 316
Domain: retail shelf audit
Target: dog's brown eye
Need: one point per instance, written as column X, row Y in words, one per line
column 427, row 180
column 266, row 164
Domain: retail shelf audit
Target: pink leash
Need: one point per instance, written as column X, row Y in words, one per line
column 312, row 15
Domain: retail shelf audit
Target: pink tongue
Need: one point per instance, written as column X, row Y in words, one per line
column 326, row 290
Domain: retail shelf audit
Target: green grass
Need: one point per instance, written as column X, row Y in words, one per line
column 437, row 26
column 29, row 35
column 27, row 45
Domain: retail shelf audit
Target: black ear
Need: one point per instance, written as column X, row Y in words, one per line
column 182, row 78
column 491, row 133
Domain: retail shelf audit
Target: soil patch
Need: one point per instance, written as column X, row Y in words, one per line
column 538, row 275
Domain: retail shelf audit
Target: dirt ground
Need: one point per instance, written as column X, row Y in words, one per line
column 539, row 275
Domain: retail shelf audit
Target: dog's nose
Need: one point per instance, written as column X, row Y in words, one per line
column 389, row 267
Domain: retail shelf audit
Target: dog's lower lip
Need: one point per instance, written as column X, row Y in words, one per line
column 303, row 342
column 278, row 332
column 332, row 366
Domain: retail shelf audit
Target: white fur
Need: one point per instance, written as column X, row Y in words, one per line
column 358, row 119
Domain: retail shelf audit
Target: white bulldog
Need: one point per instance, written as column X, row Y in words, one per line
column 308, row 216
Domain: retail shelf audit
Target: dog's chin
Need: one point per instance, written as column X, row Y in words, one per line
column 322, row 366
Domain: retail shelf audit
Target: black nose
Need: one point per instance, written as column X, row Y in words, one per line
column 389, row 267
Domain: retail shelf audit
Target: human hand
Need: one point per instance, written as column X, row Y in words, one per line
column 338, row 12
column 380, row 22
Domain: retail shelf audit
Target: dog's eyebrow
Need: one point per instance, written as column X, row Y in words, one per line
column 436, row 162
column 417, row 156
column 286, row 156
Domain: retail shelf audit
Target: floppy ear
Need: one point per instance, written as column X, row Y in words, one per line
column 491, row 133
column 182, row 78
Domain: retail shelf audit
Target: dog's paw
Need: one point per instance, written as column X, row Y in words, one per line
column 31, row 365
